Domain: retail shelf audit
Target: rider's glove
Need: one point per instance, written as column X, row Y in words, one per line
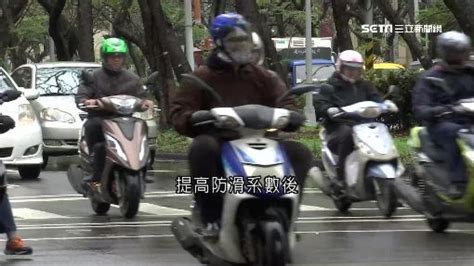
column 6, row 123
column 295, row 122
column 332, row 111
column 392, row 107
column 201, row 116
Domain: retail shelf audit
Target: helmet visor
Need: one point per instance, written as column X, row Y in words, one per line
column 238, row 44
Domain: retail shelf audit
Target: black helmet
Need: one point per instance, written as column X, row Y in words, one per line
column 453, row 47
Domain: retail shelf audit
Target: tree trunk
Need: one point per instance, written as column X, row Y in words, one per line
column 11, row 13
column 249, row 9
column 168, row 40
column 414, row 45
column 218, row 7
column 158, row 61
column 138, row 60
column 60, row 29
column 85, row 30
column 462, row 11
column 341, row 21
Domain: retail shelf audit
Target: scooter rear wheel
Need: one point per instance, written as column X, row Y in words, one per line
column 100, row 208
column 386, row 197
column 438, row 225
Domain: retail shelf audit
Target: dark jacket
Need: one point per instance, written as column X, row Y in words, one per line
column 344, row 94
column 426, row 95
column 251, row 84
column 103, row 82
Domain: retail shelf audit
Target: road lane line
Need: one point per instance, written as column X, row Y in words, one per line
column 160, row 210
column 32, row 214
column 305, row 208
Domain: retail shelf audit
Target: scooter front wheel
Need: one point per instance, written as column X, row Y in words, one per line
column 129, row 197
column 438, row 225
column 386, row 197
column 271, row 245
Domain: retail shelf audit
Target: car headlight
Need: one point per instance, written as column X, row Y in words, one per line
column 147, row 115
column 26, row 115
column 53, row 114
column 111, row 141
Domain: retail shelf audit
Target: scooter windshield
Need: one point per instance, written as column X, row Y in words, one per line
column 255, row 116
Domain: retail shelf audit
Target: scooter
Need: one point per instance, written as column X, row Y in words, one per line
column 257, row 226
column 370, row 170
column 427, row 191
column 126, row 157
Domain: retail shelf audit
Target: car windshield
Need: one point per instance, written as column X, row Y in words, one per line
column 5, row 83
column 320, row 72
column 59, row 80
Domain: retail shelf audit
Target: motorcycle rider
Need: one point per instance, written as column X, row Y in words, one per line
column 431, row 104
column 233, row 71
column 348, row 88
column 111, row 79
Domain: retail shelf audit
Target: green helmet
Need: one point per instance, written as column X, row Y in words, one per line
column 112, row 46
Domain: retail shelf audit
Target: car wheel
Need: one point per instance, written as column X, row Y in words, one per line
column 29, row 171
column 45, row 161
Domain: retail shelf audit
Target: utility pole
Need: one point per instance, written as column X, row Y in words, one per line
column 309, row 108
column 188, row 25
column 369, row 19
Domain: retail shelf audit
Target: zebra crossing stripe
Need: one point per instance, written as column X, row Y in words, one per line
column 160, row 210
column 31, row 214
column 308, row 208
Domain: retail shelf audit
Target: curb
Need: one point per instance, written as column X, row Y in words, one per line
column 171, row 156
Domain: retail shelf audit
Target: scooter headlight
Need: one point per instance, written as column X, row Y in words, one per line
column 112, row 142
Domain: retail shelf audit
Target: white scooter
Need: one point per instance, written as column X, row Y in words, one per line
column 257, row 227
column 370, row 170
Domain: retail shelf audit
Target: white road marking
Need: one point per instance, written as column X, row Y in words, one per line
column 305, row 208
column 31, row 214
column 160, row 210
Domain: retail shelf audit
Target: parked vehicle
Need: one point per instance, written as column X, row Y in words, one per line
column 21, row 147
column 60, row 118
column 322, row 70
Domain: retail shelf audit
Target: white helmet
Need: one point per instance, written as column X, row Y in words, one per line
column 349, row 58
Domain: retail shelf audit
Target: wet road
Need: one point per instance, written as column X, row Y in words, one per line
column 61, row 227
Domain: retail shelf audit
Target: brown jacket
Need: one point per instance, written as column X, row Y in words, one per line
column 249, row 85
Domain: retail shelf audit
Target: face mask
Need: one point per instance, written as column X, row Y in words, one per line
column 238, row 46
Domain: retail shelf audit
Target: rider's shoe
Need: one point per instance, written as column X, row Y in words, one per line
column 16, row 246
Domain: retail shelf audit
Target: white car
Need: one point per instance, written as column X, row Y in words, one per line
column 21, row 147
